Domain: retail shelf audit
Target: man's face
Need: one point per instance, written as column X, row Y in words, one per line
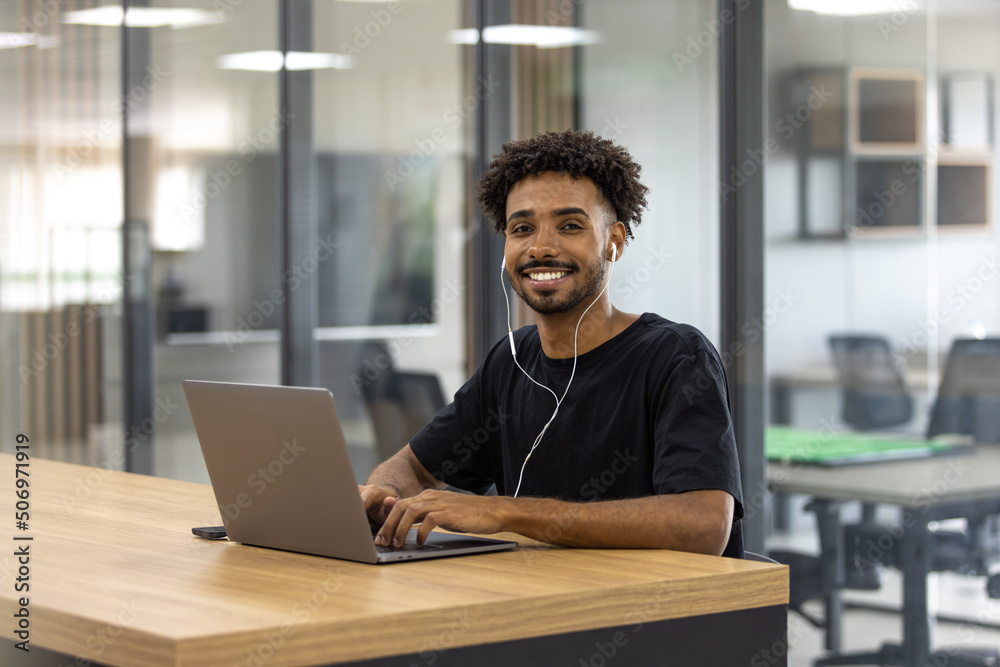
column 556, row 241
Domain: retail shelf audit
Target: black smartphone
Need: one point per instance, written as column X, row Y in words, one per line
column 210, row 532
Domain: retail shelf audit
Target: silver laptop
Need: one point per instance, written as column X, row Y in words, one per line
column 283, row 479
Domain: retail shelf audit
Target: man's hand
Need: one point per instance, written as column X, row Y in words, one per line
column 378, row 502
column 449, row 510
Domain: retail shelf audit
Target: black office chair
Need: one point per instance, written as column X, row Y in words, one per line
column 874, row 396
column 399, row 404
column 872, row 385
column 968, row 399
column 968, row 402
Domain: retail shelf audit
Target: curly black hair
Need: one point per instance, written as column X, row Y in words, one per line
column 576, row 153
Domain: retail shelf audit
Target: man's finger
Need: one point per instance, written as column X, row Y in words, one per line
column 392, row 517
column 426, row 526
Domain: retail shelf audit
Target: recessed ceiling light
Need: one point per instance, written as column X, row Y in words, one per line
column 542, row 36
column 143, row 17
column 851, row 7
column 13, row 40
column 300, row 60
column 272, row 61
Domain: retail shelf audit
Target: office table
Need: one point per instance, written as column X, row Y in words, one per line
column 930, row 489
column 117, row 578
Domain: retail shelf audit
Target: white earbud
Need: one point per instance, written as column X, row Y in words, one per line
column 614, row 252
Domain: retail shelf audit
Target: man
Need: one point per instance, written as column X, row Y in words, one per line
column 621, row 436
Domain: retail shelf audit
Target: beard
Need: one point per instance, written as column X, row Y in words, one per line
column 546, row 302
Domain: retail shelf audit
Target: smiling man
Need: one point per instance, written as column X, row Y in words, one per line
column 599, row 428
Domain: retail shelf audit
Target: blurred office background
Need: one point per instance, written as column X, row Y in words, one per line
column 281, row 192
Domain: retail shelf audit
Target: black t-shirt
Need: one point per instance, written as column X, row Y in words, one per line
column 647, row 414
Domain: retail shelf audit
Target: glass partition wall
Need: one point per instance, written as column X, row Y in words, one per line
column 353, row 230
column 213, row 128
column 61, row 272
column 322, row 197
column 881, row 239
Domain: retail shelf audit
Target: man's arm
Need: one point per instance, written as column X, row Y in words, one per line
column 400, row 476
column 697, row 521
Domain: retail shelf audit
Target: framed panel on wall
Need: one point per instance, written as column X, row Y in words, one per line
column 886, row 111
column 965, row 158
column 963, row 193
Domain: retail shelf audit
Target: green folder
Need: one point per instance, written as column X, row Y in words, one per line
column 786, row 444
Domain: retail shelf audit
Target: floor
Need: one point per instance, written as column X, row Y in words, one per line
column 865, row 630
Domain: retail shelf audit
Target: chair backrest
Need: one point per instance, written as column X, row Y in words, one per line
column 400, row 403
column 968, row 399
column 872, row 385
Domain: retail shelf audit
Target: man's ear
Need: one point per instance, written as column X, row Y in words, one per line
column 616, row 237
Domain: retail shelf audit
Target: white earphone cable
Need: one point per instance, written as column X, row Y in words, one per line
column 559, row 400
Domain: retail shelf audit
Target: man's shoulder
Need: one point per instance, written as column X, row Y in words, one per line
column 677, row 336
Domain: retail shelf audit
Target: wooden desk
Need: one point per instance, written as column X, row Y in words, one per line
column 927, row 490
column 117, row 578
